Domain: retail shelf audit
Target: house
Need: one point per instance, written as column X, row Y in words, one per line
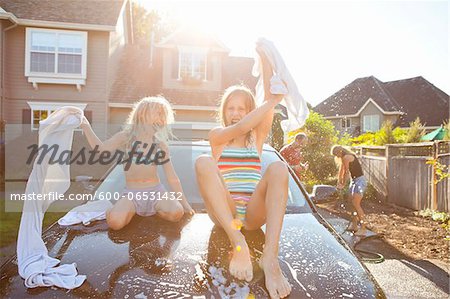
column 60, row 53
column 57, row 53
column 190, row 68
column 81, row 53
column 364, row 104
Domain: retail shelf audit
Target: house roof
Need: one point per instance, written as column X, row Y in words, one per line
column 94, row 12
column 350, row 99
column 136, row 79
column 193, row 37
column 418, row 97
column 238, row 70
column 410, row 97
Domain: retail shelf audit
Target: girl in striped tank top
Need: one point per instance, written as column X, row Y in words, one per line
column 241, row 171
column 236, row 194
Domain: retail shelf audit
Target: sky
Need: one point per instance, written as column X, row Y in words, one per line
column 328, row 44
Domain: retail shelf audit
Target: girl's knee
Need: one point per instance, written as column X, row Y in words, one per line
column 203, row 162
column 115, row 222
column 174, row 216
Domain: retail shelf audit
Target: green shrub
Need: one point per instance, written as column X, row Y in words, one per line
column 364, row 139
column 415, row 131
column 385, row 135
column 321, row 137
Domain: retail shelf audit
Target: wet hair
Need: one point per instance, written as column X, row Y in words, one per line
column 339, row 149
column 250, row 104
column 145, row 110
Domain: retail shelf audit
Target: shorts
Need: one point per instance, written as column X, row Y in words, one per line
column 145, row 199
column 358, row 185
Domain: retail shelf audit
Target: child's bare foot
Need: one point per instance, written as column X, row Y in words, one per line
column 277, row 285
column 240, row 264
column 363, row 229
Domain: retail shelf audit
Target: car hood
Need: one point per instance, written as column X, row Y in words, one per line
column 154, row 258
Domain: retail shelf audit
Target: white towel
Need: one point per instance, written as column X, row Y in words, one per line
column 87, row 213
column 35, row 266
column 96, row 210
column 296, row 106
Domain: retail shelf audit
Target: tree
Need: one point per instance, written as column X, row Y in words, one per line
column 447, row 130
column 277, row 134
column 385, row 135
column 415, row 132
column 321, row 137
column 145, row 22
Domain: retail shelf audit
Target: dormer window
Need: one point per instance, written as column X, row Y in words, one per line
column 192, row 66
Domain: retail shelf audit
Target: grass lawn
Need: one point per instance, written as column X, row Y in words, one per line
column 9, row 223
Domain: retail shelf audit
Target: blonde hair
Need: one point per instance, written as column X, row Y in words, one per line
column 339, row 149
column 250, row 104
column 150, row 108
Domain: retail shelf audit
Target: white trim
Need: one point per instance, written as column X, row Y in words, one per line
column 198, row 108
column 54, row 105
column 63, row 25
column 120, row 105
column 362, row 108
column 52, row 24
column 425, row 127
column 41, row 77
column 50, row 106
column 174, row 107
column 194, row 125
column 36, row 80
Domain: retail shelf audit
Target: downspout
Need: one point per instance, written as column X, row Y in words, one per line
column 3, row 67
column 2, row 120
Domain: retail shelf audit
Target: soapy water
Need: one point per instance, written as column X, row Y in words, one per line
column 227, row 290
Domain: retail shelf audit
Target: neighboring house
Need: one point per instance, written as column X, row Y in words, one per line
column 191, row 69
column 60, row 53
column 363, row 105
column 81, row 53
column 56, row 53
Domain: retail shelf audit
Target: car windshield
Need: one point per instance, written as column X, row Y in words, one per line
column 183, row 159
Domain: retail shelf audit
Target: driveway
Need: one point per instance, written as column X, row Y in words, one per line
column 399, row 276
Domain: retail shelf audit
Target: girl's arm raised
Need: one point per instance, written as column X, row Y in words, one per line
column 263, row 128
column 221, row 135
column 110, row 144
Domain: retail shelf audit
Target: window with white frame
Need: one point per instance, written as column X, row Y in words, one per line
column 371, row 123
column 38, row 115
column 55, row 53
column 192, row 63
column 345, row 123
column 41, row 110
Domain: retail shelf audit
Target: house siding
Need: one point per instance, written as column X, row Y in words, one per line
column 195, row 116
column 18, row 90
column 371, row 109
column 2, row 25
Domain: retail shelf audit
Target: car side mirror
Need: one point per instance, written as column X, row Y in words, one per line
column 323, row 193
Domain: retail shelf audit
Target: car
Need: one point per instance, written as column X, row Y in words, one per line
column 151, row 258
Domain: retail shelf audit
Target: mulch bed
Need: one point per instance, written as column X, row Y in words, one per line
column 413, row 235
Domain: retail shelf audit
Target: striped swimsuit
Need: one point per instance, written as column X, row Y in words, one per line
column 241, row 171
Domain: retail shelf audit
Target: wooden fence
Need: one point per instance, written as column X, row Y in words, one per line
column 401, row 175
